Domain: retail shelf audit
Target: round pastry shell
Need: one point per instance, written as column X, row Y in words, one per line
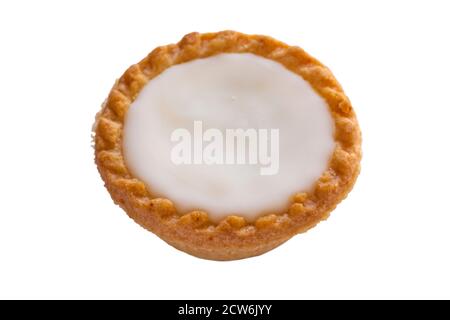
column 233, row 237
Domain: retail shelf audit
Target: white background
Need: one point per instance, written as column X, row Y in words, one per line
column 61, row 236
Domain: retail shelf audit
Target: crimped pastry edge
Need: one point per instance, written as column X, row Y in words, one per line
column 233, row 237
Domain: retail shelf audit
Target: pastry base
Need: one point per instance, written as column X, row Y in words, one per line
column 233, row 237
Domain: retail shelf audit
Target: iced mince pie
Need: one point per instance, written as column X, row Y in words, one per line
column 226, row 145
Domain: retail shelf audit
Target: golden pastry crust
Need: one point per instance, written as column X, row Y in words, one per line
column 233, row 237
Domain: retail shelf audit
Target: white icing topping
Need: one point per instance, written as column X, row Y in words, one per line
column 228, row 91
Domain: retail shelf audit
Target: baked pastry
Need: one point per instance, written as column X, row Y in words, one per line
column 209, row 85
